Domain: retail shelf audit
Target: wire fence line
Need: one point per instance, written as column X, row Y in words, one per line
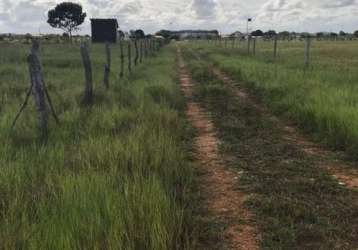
column 130, row 54
column 274, row 48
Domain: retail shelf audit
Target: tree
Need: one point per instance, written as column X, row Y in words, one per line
column 320, row 35
column 164, row 33
column 284, row 34
column 270, row 33
column 257, row 33
column 333, row 34
column 28, row 37
column 139, row 34
column 355, row 33
column 342, row 33
column 305, row 35
column 121, row 34
column 66, row 16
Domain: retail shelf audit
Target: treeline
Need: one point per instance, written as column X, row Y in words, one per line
column 295, row 35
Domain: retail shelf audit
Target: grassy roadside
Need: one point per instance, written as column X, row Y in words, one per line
column 297, row 205
column 113, row 177
column 321, row 99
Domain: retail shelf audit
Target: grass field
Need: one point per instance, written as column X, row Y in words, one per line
column 113, row 176
column 296, row 204
column 321, row 99
column 121, row 174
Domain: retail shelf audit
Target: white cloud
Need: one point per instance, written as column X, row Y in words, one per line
column 204, row 9
column 23, row 16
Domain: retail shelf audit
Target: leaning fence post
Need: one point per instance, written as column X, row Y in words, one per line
column 136, row 52
column 307, row 51
column 38, row 89
column 107, row 67
column 129, row 57
column 275, row 48
column 88, row 94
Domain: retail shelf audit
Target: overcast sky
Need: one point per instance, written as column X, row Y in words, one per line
column 22, row 16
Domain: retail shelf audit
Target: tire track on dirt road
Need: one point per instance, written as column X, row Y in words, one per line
column 345, row 173
column 324, row 158
column 218, row 184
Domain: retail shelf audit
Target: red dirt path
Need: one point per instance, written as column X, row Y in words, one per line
column 218, row 185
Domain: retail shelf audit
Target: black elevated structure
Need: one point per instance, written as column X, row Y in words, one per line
column 104, row 30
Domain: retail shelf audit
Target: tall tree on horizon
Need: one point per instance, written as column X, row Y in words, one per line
column 66, row 16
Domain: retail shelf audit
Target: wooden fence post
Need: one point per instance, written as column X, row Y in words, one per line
column 122, row 59
column 141, row 51
column 307, row 51
column 107, row 67
column 38, row 90
column 129, row 57
column 155, row 45
column 151, row 46
column 144, row 48
column 248, row 44
column 136, row 52
column 254, row 47
column 275, row 47
column 88, row 94
column 148, row 47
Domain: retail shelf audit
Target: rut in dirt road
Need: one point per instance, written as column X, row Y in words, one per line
column 218, row 184
column 345, row 172
column 326, row 159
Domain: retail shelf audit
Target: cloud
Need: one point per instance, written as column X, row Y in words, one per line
column 100, row 3
column 340, row 4
column 24, row 16
column 4, row 17
column 276, row 5
column 204, row 9
column 27, row 12
column 132, row 8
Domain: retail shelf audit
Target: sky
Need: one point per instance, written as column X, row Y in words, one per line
column 29, row 16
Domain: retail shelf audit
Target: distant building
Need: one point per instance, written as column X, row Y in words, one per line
column 104, row 30
column 238, row 34
column 196, row 34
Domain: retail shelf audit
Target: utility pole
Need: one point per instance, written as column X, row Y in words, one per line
column 247, row 25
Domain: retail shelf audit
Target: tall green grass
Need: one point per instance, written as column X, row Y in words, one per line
column 322, row 98
column 115, row 176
